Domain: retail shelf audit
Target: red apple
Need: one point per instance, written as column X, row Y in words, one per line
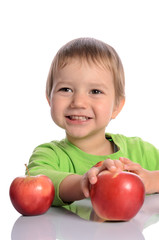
column 117, row 196
column 32, row 195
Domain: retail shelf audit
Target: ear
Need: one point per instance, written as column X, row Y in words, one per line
column 48, row 99
column 118, row 107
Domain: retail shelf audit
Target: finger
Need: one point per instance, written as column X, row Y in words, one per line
column 109, row 165
column 133, row 167
column 119, row 165
column 92, row 174
column 125, row 160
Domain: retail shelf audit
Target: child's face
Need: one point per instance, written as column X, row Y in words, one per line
column 83, row 99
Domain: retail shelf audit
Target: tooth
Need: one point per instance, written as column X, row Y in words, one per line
column 78, row 117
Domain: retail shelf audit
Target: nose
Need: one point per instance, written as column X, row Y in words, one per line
column 79, row 100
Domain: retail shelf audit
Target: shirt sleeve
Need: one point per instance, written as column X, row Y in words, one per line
column 44, row 160
column 150, row 156
column 138, row 150
column 144, row 153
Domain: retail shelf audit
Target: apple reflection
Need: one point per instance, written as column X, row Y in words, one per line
column 34, row 227
column 79, row 221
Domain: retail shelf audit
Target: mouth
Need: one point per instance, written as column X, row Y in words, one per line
column 78, row 118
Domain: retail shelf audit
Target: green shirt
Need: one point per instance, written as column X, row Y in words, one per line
column 59, row 159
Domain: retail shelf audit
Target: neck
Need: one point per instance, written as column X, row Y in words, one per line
column 93, row 145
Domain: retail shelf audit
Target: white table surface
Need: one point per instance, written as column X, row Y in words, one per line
column 76, row 223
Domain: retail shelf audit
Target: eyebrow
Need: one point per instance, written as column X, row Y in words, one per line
column 96, row 85
column 63, row 83
column 93, row 84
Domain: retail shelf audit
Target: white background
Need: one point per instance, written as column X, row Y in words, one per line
column 31, row 32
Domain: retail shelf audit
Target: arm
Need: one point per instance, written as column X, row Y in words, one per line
column 76, row 187
column 44, row 160
column 70, row 188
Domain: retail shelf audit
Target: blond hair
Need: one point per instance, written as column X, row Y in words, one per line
column 91, row 50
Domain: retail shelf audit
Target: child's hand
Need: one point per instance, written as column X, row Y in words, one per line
column 90, row 177
column 149, row 178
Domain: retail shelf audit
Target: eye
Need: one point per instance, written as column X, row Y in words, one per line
column 65, row 89
column 96, row 91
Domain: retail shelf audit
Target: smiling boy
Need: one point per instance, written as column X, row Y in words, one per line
column 86, row 90
column 83, row 103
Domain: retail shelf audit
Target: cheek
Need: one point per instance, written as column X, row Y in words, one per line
column 57, row 110
column 54, row 109
column 104, row 110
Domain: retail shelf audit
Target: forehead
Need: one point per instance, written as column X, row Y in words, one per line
column 82, row 71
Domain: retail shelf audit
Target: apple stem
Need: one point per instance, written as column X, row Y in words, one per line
column 27, row 170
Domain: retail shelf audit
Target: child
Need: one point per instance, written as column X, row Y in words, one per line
column 85, row 90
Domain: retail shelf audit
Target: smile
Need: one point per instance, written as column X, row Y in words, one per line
column 79, row 118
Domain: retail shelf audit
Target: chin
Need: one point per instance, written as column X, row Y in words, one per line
column 77, row 136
